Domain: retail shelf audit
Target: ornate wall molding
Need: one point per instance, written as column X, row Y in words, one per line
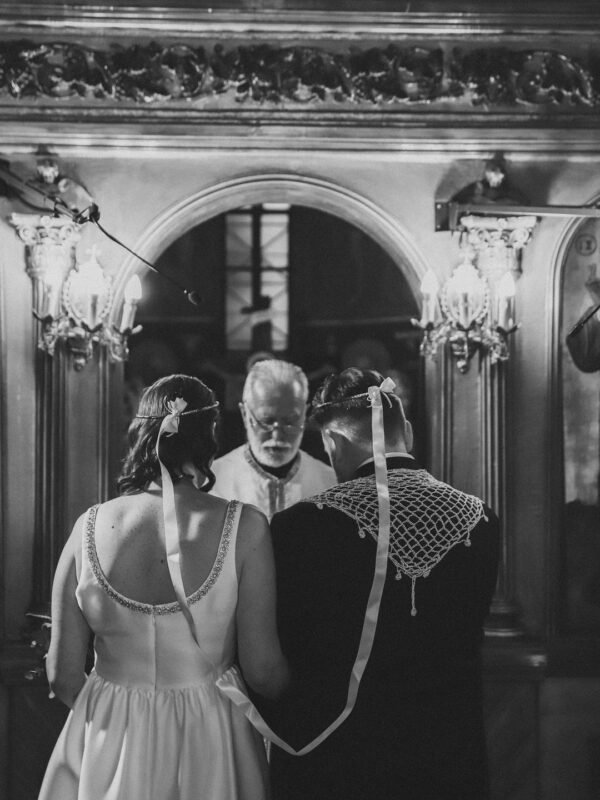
column 388, row 76
column 287, row 20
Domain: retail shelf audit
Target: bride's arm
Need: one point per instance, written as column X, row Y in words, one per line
column 262, row 662
column 65, row 662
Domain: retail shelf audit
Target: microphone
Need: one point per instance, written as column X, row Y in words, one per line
column 194, row 297
column 89, row 214
column 74, row 193
column 587, row 316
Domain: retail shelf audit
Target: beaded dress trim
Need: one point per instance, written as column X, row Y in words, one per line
column 163, row 608
column 428, row 518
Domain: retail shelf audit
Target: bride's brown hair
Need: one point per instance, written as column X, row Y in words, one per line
column 194, row 442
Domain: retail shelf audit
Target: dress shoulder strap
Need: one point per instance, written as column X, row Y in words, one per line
column 88, row 543
column 232, row 522
column 227, row 546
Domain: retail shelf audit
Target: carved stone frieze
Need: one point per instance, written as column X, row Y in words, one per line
column 150, row 74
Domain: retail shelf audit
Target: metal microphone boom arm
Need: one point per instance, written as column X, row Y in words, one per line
column 57, row 206
column 587, row 316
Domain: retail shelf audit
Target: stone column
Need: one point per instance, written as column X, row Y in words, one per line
column 49, row 245
column 498, row 243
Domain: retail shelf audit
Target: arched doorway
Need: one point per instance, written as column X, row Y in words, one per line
column 577, row 393
column 348, row 288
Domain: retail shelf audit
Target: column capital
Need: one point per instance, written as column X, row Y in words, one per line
column 44, row 235
column 488, row 231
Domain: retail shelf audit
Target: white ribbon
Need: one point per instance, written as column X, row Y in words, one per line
column 386, row 387
column 229, row 683
column 168, row 427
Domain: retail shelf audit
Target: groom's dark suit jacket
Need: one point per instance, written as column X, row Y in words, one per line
column 416, row 732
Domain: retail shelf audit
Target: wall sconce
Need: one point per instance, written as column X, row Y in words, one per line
column 73, row 302
column 475, row 308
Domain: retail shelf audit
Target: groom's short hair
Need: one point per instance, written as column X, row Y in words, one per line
column 342, row 400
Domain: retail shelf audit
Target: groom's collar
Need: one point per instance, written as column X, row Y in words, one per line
column 393, row 461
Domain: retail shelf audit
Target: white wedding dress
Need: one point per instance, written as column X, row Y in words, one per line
column 149, row 723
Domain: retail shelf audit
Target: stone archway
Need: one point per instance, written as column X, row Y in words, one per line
column 293, row 189
column 575, row 423
column 320, row 195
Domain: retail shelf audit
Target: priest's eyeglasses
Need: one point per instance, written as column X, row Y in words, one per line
column 264, row 426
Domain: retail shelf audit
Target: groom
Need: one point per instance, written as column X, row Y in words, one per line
column 415, row 730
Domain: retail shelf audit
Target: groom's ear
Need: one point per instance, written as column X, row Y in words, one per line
column 335, row 442
column 328, row 443
column 409, row 438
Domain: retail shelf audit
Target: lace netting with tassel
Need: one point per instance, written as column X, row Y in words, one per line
column 428, row 518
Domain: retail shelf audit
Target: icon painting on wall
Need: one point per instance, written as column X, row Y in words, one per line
column 581, row 430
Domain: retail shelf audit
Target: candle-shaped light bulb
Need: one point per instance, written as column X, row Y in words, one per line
column 92, row 285
column 131, row 295
column 429, row 289
column 505, row 302
column 96, row 288
column 133, row 290
column 464, row 280
column 51, row 286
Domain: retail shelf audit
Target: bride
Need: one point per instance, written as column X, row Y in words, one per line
column 174, row 585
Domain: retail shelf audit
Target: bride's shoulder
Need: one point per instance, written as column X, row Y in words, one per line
column 127, row 512
column 253, row 527
column 119, row 506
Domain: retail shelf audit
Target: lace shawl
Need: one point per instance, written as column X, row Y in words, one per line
column 428, row 518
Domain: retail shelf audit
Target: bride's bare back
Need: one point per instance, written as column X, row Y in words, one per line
column 130, row 542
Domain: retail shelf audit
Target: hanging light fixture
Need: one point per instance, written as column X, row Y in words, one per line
column 73, row 302
column 477, row 302
column 475, row 309
column 51, row 255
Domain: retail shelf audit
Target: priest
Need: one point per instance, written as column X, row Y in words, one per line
column 270, row 470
